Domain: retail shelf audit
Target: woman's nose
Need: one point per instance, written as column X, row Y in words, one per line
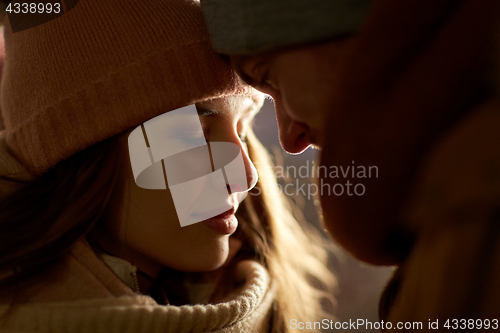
column 250, row 170
column 239, row 172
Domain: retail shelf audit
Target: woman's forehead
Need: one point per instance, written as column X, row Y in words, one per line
column 237, row 104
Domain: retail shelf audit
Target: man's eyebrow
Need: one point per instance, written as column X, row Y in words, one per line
column 204, row 112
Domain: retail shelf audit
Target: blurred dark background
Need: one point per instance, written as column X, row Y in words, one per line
column 360, row 285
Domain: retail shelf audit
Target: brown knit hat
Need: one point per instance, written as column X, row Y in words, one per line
column 101, row 68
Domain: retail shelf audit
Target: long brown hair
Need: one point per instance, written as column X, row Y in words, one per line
column 41, row 220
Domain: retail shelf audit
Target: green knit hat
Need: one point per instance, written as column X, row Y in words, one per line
column 249, row 26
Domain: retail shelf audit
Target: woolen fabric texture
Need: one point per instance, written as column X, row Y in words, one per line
column 86, row 296
column 102, row 68
column 249, row 26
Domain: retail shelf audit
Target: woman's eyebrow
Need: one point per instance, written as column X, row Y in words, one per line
column 204, row 112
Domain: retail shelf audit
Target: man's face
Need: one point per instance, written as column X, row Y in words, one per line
column 300, row 81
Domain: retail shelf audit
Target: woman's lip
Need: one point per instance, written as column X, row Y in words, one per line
column 224, row 224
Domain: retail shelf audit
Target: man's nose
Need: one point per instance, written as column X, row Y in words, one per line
column 294, row 135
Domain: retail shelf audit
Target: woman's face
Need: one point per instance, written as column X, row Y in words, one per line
column 149, row 234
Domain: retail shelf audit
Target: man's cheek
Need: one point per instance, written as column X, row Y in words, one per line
column 302, row 103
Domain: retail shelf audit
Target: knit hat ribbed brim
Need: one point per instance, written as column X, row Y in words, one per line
column 102, row 68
